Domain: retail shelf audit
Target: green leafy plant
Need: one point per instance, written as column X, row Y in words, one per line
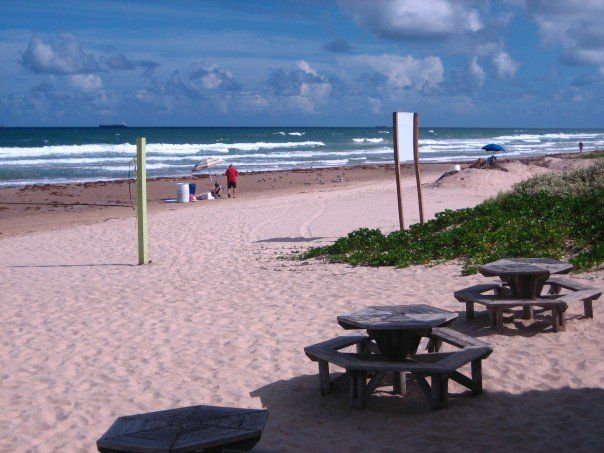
column 555, row 215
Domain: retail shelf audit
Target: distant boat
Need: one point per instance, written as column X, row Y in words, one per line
column 113, row 126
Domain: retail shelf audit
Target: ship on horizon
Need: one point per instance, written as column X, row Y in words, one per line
column 113, row 126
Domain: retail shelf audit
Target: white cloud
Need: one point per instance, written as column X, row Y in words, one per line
column 505, row 65
column 303, row 85
column 476, row 72
column 413, row 19
column 575, row 25
column 61, row 54
column 304, row 66
column 253, row 102
column 86, row 82
column 212, row 77
column 403, row 72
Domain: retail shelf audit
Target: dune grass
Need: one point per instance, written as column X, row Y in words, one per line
column 597, row 154
column 554, row 215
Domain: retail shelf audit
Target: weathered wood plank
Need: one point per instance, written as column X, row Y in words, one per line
column 580, row 296
column 464, row 356
column 462, row 379
column 423, row 384
column 456, row 338
column 463, row 294
column 439, row 391
column 187, row 429
column 325, row 383
column 565, row 283
column 477, row 376
column 374, row 382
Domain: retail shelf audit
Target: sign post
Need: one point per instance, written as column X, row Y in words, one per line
column 397, row 171
column 141, row 199
column 406, row 148
column 420, row 198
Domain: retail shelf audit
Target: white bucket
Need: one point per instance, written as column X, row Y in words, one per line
column 182, row 196
column 456, row 168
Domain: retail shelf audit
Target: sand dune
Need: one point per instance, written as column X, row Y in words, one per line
column 218, row 319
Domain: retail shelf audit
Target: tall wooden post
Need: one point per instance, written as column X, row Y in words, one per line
column 397, row 170
column 420, row 199
column 141, row 199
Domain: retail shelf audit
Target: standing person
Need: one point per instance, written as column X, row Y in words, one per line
column 580, row 147
column 232, row 175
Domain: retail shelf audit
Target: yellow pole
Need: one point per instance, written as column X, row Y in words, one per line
column 141, row 199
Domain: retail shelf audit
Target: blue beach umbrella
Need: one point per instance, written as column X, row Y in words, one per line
column 493, row 147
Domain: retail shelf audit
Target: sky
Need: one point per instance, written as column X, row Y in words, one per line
column 470, row 63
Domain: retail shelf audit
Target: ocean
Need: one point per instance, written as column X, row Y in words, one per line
column 61, row 155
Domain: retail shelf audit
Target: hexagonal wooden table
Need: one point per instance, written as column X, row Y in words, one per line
column 187, row 429
column 397, row 329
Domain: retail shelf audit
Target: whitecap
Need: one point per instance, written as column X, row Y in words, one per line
column 368, row 140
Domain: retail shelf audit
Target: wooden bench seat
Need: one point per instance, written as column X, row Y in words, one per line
column 467, row 294
column 438, row 366
column 583, row 293
column 327, row 352
column 556, row 283
column 496, row 304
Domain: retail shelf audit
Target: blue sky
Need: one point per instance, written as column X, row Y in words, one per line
column 507, row 63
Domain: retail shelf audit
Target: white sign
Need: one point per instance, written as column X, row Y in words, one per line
column 404, row 135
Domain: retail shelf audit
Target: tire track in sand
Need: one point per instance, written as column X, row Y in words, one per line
column 306, row 228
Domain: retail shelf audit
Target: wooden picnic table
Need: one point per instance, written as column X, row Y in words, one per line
column 525, row 276
column 397, row 329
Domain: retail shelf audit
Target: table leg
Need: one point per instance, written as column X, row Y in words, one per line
column 396, row 345
column 527, row 312
column 400, row 383
column 527, row 287
column 469, row 310
column 588, row 308
column 497, row 315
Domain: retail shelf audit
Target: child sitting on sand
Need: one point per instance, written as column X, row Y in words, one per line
column 215, row 191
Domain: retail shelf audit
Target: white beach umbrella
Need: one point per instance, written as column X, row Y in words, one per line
column 207, row 163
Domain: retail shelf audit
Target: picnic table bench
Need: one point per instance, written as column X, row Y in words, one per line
column 438, row 366
column 501, row 300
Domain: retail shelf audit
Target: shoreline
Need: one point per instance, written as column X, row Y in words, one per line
column 32, row 208
column 427, row 161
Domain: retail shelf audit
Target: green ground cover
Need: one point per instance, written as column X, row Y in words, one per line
column 553, row 215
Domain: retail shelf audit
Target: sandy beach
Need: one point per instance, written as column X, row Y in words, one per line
column 221, row 317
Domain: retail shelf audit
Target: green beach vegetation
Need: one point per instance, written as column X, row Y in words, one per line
column 553, row 215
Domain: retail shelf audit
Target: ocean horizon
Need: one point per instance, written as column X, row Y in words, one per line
column 44, row 155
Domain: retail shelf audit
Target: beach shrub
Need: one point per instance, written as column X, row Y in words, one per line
column 597, row 154
column 557, row 216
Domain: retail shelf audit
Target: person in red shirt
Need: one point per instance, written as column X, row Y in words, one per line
column 232, row 175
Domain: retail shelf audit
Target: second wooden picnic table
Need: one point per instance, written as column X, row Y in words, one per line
column 525, row 276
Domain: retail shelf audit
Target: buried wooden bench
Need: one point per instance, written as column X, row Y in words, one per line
column 185, row 429
column 583, row 293
column 367, row 370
